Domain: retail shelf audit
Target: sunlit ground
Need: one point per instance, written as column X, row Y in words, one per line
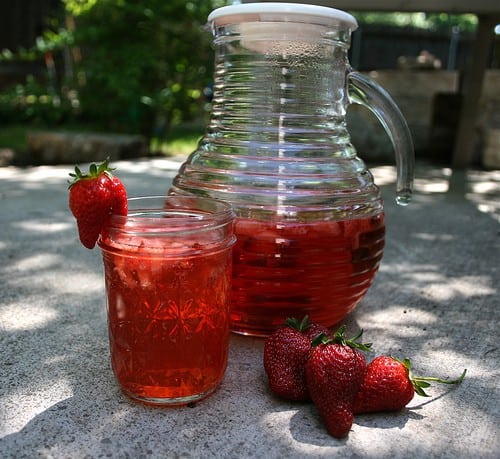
column 54, row 337
column 482, row 188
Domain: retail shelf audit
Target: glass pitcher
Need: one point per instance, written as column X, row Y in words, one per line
column 310, row 220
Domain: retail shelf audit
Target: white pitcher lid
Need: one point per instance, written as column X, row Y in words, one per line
column 282, row 12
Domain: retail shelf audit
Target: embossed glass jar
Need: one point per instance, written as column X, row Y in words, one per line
column 168, row 279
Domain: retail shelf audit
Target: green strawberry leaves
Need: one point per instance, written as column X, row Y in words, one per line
column 95, row 170
column 339, row 337
column 300, row 326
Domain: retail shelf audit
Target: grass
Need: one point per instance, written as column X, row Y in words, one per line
column 181, row 140
column 13, row 137
column 181, row 146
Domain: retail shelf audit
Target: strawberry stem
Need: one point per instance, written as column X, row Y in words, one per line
column 422, row 382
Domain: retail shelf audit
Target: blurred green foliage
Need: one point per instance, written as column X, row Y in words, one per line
column 32, row 102
column 122, row 65
column 420, row 20
column 135, row 66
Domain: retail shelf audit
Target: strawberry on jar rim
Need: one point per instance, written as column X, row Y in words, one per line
column 93, row 197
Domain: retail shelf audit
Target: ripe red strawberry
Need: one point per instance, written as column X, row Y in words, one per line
column 93, row 197
column 334, row 373
column 389, row 385
column 285, row 355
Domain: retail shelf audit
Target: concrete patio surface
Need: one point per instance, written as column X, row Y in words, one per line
column 435, row 300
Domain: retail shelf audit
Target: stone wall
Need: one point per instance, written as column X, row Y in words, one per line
column 430, row 102
column 48, row 147
column 415, row 93
column 489, row 114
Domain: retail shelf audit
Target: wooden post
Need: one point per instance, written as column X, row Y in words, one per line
column 466, row 135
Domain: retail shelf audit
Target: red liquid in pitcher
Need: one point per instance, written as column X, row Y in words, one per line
column 168, row 322
column 289, row 269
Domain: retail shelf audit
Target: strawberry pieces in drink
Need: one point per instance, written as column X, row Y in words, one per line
column 93, row 197
column 285, row 355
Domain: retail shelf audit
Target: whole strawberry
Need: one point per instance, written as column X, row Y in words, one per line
column 285, row 355
column 334, row 372
column 389, row 385
column 93, row 197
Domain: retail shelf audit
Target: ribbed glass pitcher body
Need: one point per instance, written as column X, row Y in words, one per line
column 310, row 223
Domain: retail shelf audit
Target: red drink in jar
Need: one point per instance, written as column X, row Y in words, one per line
column 168, row 280
column 288, row 269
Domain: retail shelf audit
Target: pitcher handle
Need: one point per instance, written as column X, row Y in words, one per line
column 364, row 91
